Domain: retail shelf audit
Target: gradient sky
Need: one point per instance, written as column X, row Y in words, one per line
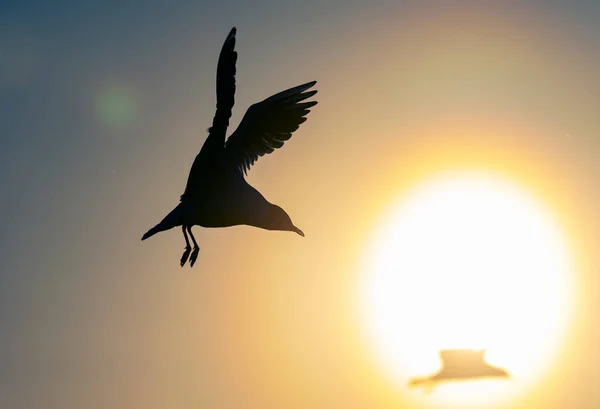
column 104, row 105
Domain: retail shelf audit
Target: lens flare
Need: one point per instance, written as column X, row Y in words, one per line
column 116, row 107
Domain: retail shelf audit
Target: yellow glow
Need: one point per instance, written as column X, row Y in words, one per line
column 467, row 260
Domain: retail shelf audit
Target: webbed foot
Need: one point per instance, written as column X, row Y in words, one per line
column 185, row 255
column 194, row 256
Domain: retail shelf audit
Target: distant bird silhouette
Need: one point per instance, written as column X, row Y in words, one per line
column 217, row 194
column 460, row 364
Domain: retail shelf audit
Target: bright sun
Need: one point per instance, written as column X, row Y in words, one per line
column 467, row 260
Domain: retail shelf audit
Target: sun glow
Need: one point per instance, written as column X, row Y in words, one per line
column 467, row 260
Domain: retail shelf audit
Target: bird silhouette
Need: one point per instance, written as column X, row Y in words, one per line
column 460, row 364
column 217, row 193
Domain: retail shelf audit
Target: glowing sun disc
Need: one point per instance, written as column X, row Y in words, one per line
column 467, row 260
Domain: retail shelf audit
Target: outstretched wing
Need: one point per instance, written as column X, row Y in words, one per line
column 225, row 101
column 268, row 124
column 462, row 358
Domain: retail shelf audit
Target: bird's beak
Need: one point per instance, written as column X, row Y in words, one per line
column 300, row 232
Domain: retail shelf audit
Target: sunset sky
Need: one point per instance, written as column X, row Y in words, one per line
column 103, row 107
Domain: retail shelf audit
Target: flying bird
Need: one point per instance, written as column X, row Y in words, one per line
column 460, row 364
column 217, row 193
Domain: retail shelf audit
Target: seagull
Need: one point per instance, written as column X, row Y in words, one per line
column 217, row 193
column 460, row 364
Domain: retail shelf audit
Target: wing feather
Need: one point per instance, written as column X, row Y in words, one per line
column 215, row 142
column 268, row 124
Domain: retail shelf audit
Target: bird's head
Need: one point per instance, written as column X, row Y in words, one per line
column 175, row 218
column 278, row 219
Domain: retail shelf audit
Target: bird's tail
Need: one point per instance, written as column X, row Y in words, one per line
column 173, row 219
column 150, row 232
column 414, row 382
column 426, row 383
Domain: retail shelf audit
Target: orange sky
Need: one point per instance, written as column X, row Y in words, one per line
column 90, row 317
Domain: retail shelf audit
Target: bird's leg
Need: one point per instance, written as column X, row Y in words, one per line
column 186, row 253
column 194, row 255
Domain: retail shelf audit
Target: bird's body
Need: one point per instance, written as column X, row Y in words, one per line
column 222, row 207
column 460, row 364
column 217, row 193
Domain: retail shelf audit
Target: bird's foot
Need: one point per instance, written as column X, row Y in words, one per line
column 185, row 255
column 194, row 256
